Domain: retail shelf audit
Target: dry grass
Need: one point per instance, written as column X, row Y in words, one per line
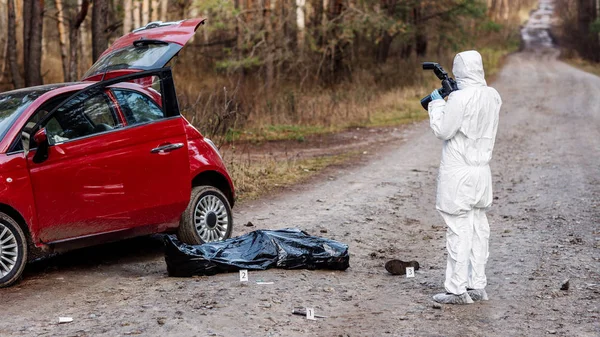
column 297, row 113
column 256, row 177
column 584, row 65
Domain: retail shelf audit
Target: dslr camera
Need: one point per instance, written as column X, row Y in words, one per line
column 448, row 83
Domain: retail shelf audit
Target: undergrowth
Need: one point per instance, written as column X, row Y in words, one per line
column 323, row 112
column 590, row 67
column 258, row 176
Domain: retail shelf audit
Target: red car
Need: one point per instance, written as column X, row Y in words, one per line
column 109, row 157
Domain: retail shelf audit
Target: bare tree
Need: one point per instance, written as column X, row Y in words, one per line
column 163, row 9
column 300, row 22
column 154, row 12
column 589, row 45
column 27, row 22
column 33, row 15
column 62, row 37
column 145, row 12
column 267, row 6
column 17, row 79
column 136, row 14
column 127, row 7
column 74, row 39
column 99, row 24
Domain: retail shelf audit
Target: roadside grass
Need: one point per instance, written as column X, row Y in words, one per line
column 392, row 108
column 256, row 177
column 584, row 65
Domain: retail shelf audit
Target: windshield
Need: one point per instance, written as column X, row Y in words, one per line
column 142, row 56
column 12, row 104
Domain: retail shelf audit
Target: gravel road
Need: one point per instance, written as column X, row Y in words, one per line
column 544, row 222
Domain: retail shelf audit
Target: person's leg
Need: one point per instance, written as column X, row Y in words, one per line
column 479, row 255
column 459, row 238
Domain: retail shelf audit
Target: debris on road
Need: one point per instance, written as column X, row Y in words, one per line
column 565, row 285
column 398, row 267
column 302, row 312
column 258, row 250
column 62, row 320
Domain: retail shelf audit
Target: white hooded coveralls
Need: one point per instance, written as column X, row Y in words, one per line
column 467, row 123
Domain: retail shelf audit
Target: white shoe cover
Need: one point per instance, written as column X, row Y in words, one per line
column 478, row 294
column 446, row 298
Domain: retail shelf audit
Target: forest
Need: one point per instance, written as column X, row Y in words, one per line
column 263, row 68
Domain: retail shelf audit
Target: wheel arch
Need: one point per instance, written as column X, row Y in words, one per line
column 217, row 180
column 15, row 215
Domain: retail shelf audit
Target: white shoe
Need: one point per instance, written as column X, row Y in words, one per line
column 478, row 294
column 447, row 298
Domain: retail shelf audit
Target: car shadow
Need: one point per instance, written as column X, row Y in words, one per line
column 130, row 251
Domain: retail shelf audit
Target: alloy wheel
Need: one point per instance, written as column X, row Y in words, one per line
column 9, row 250
column 211, row 219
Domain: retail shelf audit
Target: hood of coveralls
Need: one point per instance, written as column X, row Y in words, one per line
column 468, row 69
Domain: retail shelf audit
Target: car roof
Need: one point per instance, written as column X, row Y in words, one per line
column 42, row 89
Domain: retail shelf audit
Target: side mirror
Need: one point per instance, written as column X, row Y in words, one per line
column 41, row 138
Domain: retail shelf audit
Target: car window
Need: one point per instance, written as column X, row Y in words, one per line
column 137, row 108
column 84, row 115
column 145, row 56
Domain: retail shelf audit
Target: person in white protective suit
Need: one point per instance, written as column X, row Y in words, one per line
column 467, row 123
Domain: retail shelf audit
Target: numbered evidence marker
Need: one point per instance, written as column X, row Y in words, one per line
column 244, row 275
column 310, row 313
column 410, row 272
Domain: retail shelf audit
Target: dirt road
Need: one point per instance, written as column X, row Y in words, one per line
column 545, row 229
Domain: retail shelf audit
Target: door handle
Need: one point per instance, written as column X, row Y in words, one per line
column 167, row 148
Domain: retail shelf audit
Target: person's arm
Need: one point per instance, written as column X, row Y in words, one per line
column 445, row 118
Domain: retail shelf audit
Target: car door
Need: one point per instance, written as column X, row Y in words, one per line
column 102, row 174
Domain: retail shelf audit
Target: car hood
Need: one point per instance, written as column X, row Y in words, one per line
column 148, row 47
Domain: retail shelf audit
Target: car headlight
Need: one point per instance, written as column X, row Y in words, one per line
column 210, row 142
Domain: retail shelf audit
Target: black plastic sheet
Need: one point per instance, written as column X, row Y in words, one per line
column 259, row 250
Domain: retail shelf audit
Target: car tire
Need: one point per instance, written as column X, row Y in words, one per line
column 13, row 251
column 207, row 218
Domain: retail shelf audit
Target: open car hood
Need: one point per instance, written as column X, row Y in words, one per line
column 148, row 47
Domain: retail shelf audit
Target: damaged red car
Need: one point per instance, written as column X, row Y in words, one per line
column 109, row 157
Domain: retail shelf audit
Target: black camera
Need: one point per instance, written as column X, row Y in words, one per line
column 448, row 83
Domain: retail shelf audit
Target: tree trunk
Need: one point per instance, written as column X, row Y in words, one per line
column 164, row 4
column 136, row 14
column 238, row 32
column 300, row 24
column 27, row 22
column 383, row 47
column 269, row 58
column 127, row 7
column 99, row 24
column 154, row 12
column 335, row 67
column 316, row 23
column 74, row 39
column 33, row 49
column 145, row 12
column 62, row 38
column 420, row 33
column 17, row 79
column 584, row 18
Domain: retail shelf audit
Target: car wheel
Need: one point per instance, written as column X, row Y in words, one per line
column 13, row 251
column 207, row 218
